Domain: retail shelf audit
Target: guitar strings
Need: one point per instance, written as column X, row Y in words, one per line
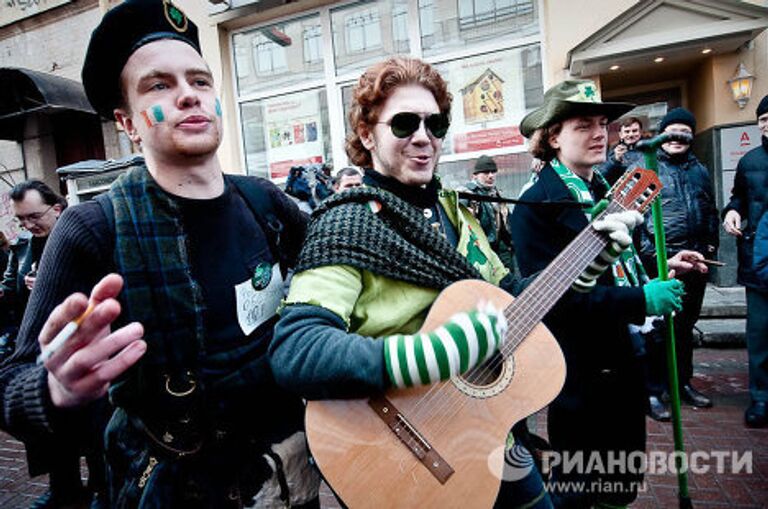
column 614, row 191
column 534, row 299
column 530, row 297
column 534, row 302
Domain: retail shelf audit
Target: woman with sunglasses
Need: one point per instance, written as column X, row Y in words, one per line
column 376, row 258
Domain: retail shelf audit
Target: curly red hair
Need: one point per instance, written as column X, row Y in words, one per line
column 374, row 88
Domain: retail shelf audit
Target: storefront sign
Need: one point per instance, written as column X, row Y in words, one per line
column 487, row 139
column 294, row 133
column 735, row 142
column 12, row 11
column 489, row 101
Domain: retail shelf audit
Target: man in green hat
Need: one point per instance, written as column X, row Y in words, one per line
column 491, row 216
column 600, row 413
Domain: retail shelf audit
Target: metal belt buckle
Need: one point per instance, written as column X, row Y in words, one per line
column 182, row 393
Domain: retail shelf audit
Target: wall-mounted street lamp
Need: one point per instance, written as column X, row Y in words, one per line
column 741, row 85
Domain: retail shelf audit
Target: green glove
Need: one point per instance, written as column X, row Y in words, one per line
column 462, row 343
column 663, row 297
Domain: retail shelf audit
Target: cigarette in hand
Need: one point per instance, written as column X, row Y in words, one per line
column 63, row 336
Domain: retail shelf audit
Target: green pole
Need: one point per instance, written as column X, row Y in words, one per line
column 661, row 263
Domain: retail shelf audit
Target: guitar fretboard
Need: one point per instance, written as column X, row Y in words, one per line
column 529, row 308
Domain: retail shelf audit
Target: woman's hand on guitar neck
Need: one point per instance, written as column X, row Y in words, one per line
column 466, row 340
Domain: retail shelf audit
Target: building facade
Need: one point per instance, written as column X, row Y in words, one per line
column 286, row 69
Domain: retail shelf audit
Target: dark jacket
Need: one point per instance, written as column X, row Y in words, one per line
column 591, row 328
column 79, row 253
column 494, row 220
column 612, row 169
column 688, row 205
column 761, row 251
column 24, row 253
column 749, row 198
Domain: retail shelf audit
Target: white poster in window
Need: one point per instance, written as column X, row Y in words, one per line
column 488, row 101
column 293, row 131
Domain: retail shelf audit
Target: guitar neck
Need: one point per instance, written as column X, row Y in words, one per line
column 539, row 297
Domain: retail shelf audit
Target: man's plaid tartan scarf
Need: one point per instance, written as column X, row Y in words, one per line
column 151, row 254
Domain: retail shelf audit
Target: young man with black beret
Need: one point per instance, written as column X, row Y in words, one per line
column 180, row 271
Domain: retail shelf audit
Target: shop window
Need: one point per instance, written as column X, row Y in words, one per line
column 284, row 131
column 534, row 88
column 270, row 58
column 313, row 45
column 463, row 23
column 278, row 55
column 362, row 31
column 514, row 173
column 483, row 48
column 242, row 64
column 366, row 33
column 491, row 94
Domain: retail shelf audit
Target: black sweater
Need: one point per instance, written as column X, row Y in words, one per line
column 77, row 255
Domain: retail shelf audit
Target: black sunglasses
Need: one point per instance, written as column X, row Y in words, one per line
column 406, row 123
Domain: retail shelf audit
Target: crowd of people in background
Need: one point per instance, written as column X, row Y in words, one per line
column 177, row 276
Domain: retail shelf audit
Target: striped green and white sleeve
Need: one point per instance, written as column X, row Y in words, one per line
column 466, row 340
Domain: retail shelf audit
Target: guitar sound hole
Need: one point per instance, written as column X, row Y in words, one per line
column 486, row 373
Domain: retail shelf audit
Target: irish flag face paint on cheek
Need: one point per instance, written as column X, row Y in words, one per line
column 153, row 115
column 218, row 107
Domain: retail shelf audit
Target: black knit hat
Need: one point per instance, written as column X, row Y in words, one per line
column 485, row 165
column 123, row 30
column 678, row 116
column 762, row 107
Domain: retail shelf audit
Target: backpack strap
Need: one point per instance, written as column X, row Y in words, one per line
column 257, row 199
column 263, row 208
column 106, row 206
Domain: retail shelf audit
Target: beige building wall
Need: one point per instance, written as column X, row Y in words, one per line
column 53, row 42
column 566, row 23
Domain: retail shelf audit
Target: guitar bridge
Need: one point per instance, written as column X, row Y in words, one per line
column 411, row 438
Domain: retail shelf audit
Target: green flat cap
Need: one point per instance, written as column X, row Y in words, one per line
column 571, row 98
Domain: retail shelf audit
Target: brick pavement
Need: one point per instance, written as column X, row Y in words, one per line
column 720, row 373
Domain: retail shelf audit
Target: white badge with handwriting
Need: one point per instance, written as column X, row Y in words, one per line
column 257, row 298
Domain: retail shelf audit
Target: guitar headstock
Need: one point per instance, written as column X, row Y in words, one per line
column 636, row 189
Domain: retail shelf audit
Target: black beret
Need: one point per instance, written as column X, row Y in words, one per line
column 485, row 164
column 123, row 30
column 678, row 116
column 762, row 107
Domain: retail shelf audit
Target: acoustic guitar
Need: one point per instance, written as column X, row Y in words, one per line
column 441, row 445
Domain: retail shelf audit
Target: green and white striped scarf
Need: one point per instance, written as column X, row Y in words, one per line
column 627, row 270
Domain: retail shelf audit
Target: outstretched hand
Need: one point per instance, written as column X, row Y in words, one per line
column 686, row 261
column 82, row 369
